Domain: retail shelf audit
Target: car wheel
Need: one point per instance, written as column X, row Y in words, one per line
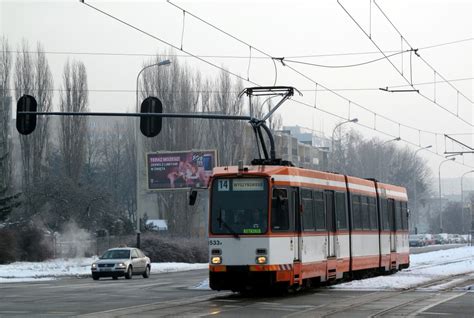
column 128, row 274
column 146, row 274
column 95, row 277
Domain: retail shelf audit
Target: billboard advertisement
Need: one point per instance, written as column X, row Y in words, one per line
column 180, row 169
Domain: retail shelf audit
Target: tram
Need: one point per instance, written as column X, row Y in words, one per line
column 283, row 226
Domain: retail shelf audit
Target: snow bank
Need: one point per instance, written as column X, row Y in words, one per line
column 76, row 267
column 424, row 268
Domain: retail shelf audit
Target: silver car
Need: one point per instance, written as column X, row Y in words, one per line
column 124, row 261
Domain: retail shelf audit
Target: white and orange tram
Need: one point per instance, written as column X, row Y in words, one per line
column 282, row 226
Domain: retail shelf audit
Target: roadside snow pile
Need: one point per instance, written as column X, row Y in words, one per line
column 423, row 268
column 51, row 268
column 74, row 267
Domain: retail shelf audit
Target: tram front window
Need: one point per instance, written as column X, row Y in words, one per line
column 239, row 206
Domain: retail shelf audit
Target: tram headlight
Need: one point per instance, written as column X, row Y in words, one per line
column 261, row 260
column 216, row 260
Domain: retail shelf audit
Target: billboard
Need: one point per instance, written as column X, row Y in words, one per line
column 180, row 169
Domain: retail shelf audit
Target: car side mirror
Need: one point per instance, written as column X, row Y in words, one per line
column 192, row 197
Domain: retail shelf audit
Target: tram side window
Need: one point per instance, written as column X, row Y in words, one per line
column 341, row 218
column 385, row 215
column 364, row 210
column 373, row 214
column 280, row 210
column 398, row 215
column 404, row 216
column 319, row 209
column 308, row 216
column 356, row 213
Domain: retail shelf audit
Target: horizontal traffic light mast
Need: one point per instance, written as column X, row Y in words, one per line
column 151, row 114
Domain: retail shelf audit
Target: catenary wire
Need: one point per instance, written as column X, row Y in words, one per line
column 426, row 62
column 146, row 33
column 301, row 90
column 286, row 60
column 301, row 74
column 230, row 56
column 236, row 92
column 167, row 43
column 410, row 84
column 371, row 128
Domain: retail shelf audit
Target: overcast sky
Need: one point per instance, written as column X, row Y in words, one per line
column 289, row 29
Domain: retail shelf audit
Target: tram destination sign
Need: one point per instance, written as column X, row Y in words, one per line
column 180, row 169
column 247, row 184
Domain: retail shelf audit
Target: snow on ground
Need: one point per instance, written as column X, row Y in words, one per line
column 74, row 267
column 423, row 268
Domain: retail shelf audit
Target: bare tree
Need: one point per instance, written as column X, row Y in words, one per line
column 7, row 199
column 384, row 161
column 74, row 98
column 24, row 84
column 5, row 116
column 44, row 95
column 33, row 76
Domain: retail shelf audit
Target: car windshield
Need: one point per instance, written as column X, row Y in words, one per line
column 116, row 254
column 239, row 206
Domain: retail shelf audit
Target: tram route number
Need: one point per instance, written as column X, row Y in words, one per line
column 215, row 242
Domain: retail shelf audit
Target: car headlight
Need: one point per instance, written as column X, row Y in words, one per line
column 120, row 265
column 261, row 260
column 216, row 260
column 94, row 266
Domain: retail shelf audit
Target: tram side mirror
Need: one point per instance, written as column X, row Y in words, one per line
column 193, row 197
column 26, row 123
column 150, row 126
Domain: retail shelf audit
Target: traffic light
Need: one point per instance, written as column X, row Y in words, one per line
column 150, row 126
column 26, row 123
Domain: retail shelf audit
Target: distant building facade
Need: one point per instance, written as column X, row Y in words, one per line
column 302, row 147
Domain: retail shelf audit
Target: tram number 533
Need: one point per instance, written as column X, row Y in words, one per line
column 215, row 242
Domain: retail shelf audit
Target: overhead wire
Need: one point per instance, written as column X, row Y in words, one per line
column 379, row 131
column 347, row 65
column 401, row 73
column 301, row 90
column 166, row 42
column 228, row 34
column 273, row 58
column 232, row 56
column 426, row 62
column 282, row 60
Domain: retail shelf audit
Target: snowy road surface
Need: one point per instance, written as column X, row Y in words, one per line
column 437, row 284
column 57, row 268
column 423, row 268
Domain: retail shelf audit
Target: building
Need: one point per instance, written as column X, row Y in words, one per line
column 302, row 147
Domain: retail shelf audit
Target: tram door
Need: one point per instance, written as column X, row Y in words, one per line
column 391, row 220
column 296, row 215
column 330, row 222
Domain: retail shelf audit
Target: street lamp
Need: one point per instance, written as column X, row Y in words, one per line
column 139, row 150
column 353, row 120
column 462, row 201
column 381, row 156
column 439, row 183
column 416, row 214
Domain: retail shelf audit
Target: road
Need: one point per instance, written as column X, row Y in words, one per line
column 175, row 294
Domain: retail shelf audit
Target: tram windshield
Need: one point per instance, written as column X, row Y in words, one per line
column 239, row 206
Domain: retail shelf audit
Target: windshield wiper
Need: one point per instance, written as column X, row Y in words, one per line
column 227, row 226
